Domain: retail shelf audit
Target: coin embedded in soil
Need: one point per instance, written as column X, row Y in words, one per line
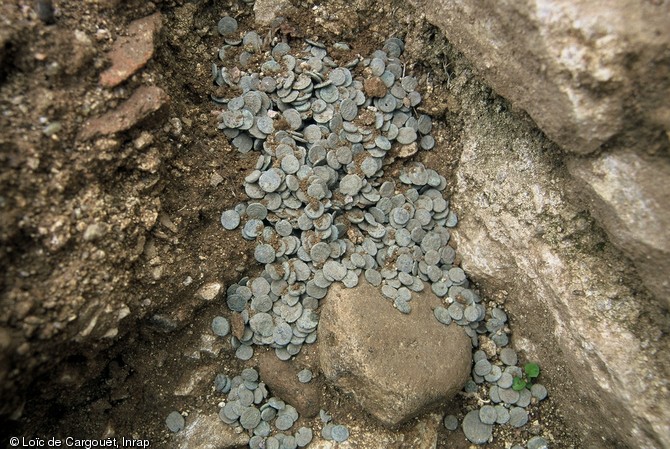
column 475, row 430
column 175, row 422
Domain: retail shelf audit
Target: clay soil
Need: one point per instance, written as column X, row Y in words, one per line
column 100, row 325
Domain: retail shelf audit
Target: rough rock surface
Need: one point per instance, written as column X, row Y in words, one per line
column 593, row 77
column 397, row 366
column 130, row 53
column 209, row 432
column 145, row 101
column 582, row 70
column 266, row 11
column 576, row 305
column 630, row 196
column 282, row 378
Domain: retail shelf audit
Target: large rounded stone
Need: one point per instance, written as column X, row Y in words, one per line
column 397, row 366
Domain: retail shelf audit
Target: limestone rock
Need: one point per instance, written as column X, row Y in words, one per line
column 397, row 366
column 568, row 63
column 630, row 195
column 191, row 380
column 209, row 432
column 266, row 11
column 577, row 308
column 130, row 53
column 145, row 101
column 282, row 379
column 209, row 291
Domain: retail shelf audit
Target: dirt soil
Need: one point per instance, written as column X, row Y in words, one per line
column 105, row 243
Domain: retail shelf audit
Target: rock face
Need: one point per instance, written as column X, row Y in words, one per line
column 575, row 304
column 630, row 196
column 577, row 67
column 397, row 366
column 593, row 77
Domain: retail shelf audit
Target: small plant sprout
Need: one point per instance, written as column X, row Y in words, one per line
column 530, row 373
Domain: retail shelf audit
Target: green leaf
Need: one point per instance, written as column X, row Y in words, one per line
column 532, row 370
column 518, row 384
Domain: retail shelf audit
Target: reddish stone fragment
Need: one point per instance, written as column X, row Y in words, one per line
column 145, row 101
column 132, row 52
